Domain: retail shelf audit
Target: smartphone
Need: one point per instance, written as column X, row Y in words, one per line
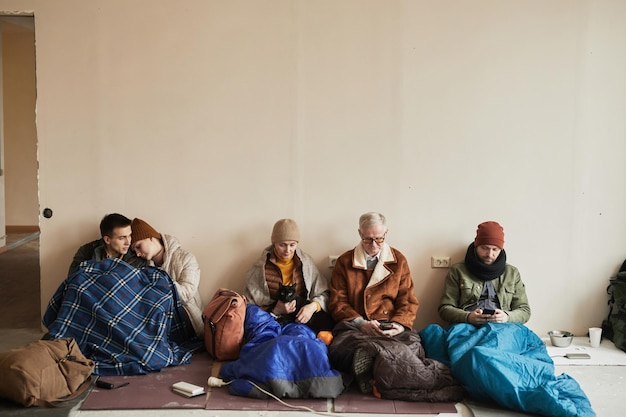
column 489, row 311
column 386, row 326
column 109, row 385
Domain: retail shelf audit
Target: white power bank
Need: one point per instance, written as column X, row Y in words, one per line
column 577, row 356
column 187, row 389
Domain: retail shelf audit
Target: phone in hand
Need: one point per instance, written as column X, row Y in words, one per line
column 489, row 311
column 385, row 325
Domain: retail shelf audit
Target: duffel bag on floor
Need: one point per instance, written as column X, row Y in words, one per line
column 44, row 372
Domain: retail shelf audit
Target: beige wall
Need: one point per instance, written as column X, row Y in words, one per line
column 212, row 119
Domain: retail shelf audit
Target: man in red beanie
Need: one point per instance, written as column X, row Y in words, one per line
column 484, row 288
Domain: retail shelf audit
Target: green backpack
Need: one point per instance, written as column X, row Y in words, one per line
column 614, row 327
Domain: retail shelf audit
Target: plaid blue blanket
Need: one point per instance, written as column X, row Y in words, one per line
column 129, row 321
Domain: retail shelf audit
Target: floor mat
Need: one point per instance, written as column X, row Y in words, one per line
column 348, row 402
column 220, row 399
column 352, row 401
column 153, row 391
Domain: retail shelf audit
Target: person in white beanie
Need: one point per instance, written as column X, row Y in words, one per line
column 286, row 283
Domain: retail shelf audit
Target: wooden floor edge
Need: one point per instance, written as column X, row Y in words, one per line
column 21, row 228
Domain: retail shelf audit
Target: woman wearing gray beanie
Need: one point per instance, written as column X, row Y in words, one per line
column 286, row 283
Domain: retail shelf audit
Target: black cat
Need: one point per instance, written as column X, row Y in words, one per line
column 286, row 294
column 319, row 321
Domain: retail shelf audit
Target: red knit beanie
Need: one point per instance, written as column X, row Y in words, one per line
column 489, row 233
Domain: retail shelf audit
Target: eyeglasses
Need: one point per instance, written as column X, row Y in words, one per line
column 370, row 240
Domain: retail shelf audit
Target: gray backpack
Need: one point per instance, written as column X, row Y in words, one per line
column 614, row 327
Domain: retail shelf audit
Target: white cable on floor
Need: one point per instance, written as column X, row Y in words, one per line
column 215, row 382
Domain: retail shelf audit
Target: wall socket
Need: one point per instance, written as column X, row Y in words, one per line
column 332, row 259
column 440, row 262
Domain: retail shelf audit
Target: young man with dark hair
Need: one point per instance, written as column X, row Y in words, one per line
column 115, row 243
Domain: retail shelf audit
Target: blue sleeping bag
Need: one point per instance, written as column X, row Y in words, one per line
column 507, row 364
column 288, row 361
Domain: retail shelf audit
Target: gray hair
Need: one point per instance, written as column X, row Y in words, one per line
column 371, row 219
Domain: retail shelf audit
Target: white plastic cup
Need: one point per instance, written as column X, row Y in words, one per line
column 595, row 336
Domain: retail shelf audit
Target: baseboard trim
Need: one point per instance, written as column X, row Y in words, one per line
column 21, row 229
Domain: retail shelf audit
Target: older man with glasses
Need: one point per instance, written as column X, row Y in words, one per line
column 373, row 302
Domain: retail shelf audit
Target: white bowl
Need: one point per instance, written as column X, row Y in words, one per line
column 560, row 338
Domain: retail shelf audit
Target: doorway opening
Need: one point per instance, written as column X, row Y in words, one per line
column 20, row 277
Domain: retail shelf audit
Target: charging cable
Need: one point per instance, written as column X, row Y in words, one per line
column 215, row 382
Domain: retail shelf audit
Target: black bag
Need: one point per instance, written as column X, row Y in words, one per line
column 614, row 327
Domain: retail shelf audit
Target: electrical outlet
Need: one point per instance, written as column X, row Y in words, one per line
column 332, row 259
column 440, row 262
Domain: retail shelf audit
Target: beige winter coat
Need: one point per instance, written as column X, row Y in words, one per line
column 183, row 267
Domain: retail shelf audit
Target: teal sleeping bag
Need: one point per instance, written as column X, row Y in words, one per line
column 507, row 364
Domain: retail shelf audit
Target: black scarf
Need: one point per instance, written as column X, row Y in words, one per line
column 480, row 269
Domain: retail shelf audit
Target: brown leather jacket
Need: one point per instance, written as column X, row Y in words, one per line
column 387, row 293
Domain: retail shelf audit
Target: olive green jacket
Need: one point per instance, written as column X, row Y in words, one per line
column 463, row 290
